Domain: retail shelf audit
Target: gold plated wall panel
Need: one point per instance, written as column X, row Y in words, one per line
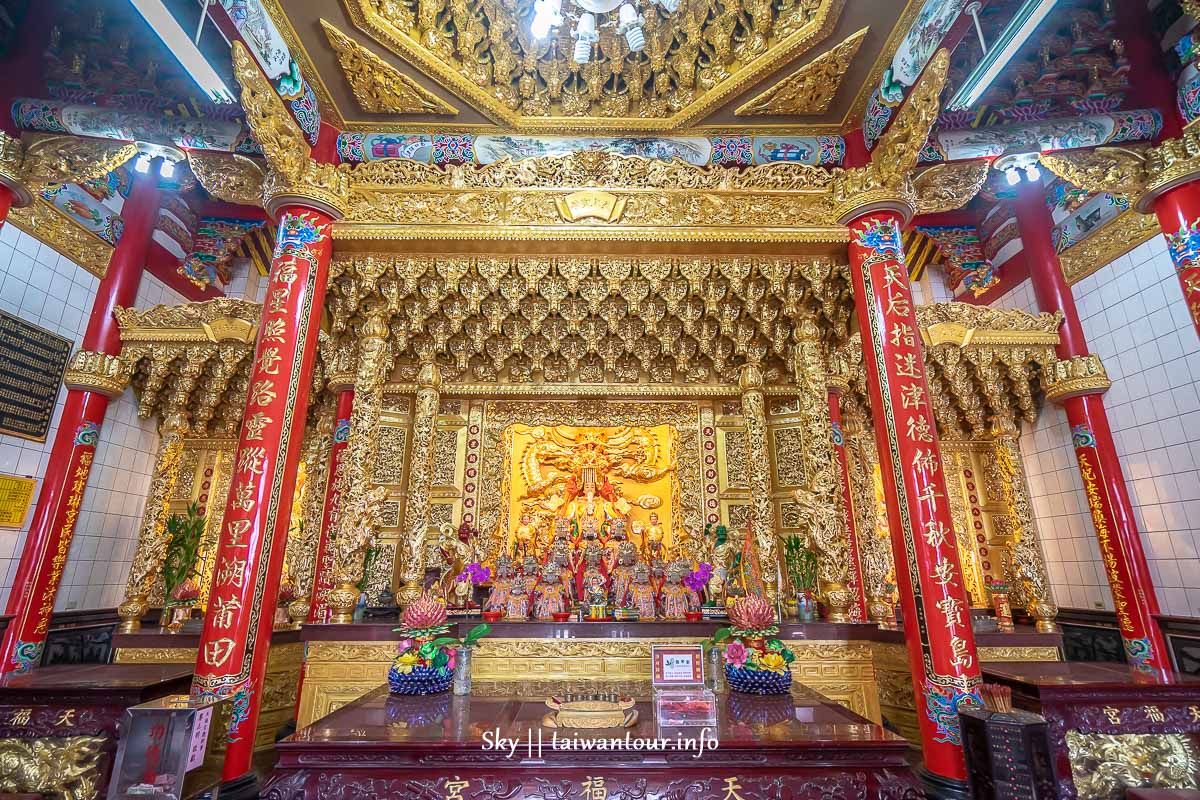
column 337, row 673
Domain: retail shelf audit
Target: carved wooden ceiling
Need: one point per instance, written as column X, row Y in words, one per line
column 471, row 66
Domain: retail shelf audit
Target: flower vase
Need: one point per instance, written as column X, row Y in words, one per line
column 462, row 671
column 179, row 615
column 806, row 606
column 716, row 667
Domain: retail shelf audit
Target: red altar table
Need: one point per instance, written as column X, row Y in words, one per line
column 798, row 746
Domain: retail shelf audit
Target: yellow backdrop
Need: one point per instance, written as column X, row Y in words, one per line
column 638, row 462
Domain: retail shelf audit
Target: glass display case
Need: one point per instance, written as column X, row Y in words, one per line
column 164, row 744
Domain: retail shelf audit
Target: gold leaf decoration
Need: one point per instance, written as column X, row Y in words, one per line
column 810, row 89
column 228, row 176
column 1105, row 169
column 45, row 223
column 945, row 187
column 72, row 159
column 378, row 86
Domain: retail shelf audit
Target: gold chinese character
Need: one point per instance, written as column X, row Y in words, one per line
column 243, row 497
column 268, row 361
column 21, row 716
column 898, row 304
column 902, row 334
column 731, row 787
column 252, row 460
column 926, row 460
column 952, row 608
column 935, row 534
column 232, row 572
column 223, row 609
column 1194, row 711
column 218, row 652
column 262, row 393
column 918, row 429
column 930, row 495
column 455, row 788
column 1113, row 714
column 273, row 330
column 278, row 300
column 959, row 656
column 943, row 572
column 893, row 274
column 237, row 529
column 593, row 789
column 66, row 718
column 254, row 424
column 906, row 365
column 1155, row 714
column 912, row 396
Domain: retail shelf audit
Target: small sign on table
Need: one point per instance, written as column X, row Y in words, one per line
column 677, row 665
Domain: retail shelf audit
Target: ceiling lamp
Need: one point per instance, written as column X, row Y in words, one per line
column 184, row 48
column 996, row 58
column 630, row 23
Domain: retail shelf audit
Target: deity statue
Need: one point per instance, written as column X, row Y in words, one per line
column 524, row 539
column 560, row 557
column 642, row 595
column 519, row 600
column 529, row 573
column 596, row 598
column 551, row 596
column 677, row 598
column 621, row 575
column 590, row 566
column 437, row 562
column 616, row 537
column 658, row 573
column 497, row 599
column 457, row 553
column 653, row 544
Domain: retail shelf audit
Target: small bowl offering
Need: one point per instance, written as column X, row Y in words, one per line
column 562, row 616
column 492, row 616
column 693, row 616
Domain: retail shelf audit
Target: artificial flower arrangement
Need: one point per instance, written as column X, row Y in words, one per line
column 287, row 593
column 696, row 581
column 756, row 661
column 426, row 658
column 476, row 574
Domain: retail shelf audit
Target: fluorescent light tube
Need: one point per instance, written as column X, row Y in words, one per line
column 1019, row 29
column 184, row 49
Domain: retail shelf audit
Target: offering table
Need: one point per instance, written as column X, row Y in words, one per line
column 797, row 746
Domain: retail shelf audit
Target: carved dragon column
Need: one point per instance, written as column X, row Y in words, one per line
column 360, row 500
column 1025, row 555
column 303, row 550
column 750, row 381
column 819, row 498
column 1077, row 381
column 335, row 483
column 837, row 385
column 152, row 543
column 874, row 552
column 420, row 478
column 96, row 375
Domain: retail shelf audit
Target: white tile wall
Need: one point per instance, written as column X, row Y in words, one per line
column 50, row 290
column 1134, row 318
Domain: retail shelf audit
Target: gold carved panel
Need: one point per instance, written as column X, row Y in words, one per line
column 733, row 456
column 788, row 454
column 447, row 444
column 392, row 453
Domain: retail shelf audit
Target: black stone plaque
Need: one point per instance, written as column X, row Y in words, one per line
column 32, row 362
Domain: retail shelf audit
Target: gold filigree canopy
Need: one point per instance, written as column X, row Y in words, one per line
column 700, row 63
column 590, row 320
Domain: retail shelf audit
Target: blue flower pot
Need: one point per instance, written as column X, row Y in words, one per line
column 753, row 681
column 421, row 680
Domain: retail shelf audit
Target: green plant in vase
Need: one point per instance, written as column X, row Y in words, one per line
column 801, row 565
column 184, row 534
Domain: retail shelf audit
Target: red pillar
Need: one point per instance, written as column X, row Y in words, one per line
column 1178, row 212
column 1108, row 498
column 858, row 609
column 323, row 577
column 232, row 658
column 44, row 553
column 937, row 618
column 6, row 202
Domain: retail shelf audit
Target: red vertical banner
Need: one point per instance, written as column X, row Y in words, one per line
column 1178, row 212
column 32, row 599
column 858, row 609
column 323, row 578
column 1120, row 545
column 937, row 619
column 232, row 658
